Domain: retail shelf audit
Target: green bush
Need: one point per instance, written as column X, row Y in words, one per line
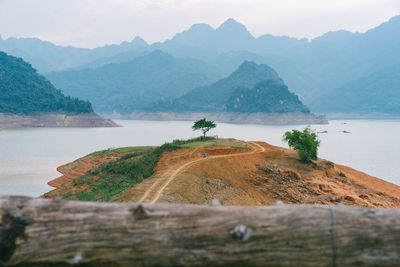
column 306, row 143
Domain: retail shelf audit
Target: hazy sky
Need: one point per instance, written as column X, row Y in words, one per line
column 90, row 23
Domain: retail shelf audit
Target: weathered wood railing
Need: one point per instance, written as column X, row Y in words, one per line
column 52, row 232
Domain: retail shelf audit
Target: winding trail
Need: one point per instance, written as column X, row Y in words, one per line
column 166, row 178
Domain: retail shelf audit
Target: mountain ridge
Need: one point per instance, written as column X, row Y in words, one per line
column 128, row 86
column 309, row 67
column 24, row 91
column 225, row 94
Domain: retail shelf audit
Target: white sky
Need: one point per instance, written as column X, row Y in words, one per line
column 90, row 23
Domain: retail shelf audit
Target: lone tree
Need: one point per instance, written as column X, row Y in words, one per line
column 204, row 125
column 306, row 143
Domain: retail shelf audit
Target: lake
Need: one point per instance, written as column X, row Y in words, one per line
column 29, row 157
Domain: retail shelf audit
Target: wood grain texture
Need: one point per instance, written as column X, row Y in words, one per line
column 53, row 232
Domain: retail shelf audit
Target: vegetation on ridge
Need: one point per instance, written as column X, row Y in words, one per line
column 114, row 177
column 251, row 88
column 126, row 87
column 267, row 96
column 24, row 91
column 110, row 179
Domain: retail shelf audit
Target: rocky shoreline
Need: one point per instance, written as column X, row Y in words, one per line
column 54, row 120
column 234, row 117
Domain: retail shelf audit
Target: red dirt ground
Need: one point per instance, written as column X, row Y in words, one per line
column 258, row 175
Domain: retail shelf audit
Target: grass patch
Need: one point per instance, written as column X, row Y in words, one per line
column 132, row 148
column 193, row 140
column 128, row 149
column 213, row 143
column 114, row 177
column 110, row 179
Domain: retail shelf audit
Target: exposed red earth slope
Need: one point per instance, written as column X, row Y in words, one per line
column 260, row 174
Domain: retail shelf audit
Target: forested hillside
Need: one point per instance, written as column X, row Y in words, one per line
column 268, row 97
column 24, row 91
column 130, row 86
column 250, row 88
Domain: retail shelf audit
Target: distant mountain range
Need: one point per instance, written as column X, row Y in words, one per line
column 251, row 88
column 130, row 86
column 24, row 91
column 47, row 57
column 311, row 69
column 378, row 92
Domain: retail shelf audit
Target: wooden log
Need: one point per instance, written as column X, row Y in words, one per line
column 39, row 232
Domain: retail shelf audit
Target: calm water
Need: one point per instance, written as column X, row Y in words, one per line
column 29, row 157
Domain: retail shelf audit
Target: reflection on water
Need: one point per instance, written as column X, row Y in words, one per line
column 29, row 157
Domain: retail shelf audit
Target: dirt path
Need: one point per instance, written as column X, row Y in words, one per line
column 155, row 191
column 256, row 174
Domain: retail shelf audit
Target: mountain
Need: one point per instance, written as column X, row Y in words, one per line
column 300, row 81
column 24, row 91
column 229, row 36
column 310, row 68
column 358, row 55
column 268, row 43
column 232, row 35
column 375, row 93
column 267, row 96
column 130, row 86
column 47, row 57
column 251, row 88
column 371, row 51
column 119, row 58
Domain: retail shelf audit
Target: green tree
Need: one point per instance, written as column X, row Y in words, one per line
column 305, row 142
column 203, row 125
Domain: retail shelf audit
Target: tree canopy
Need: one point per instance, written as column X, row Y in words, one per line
column 305, row 142
column 203, row 125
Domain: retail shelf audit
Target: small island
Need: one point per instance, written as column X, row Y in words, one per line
column 199, row 170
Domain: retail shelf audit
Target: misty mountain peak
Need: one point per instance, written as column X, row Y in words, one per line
column 136, row 43
column 395, row 19
column 194, row 35
column 251, row 66
column 333, row 37
column 231, row 25
column 255, row 71
column 139, row 41
column 201, row 28
column 247, row 65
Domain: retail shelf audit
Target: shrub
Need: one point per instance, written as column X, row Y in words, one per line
column 305, row 142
